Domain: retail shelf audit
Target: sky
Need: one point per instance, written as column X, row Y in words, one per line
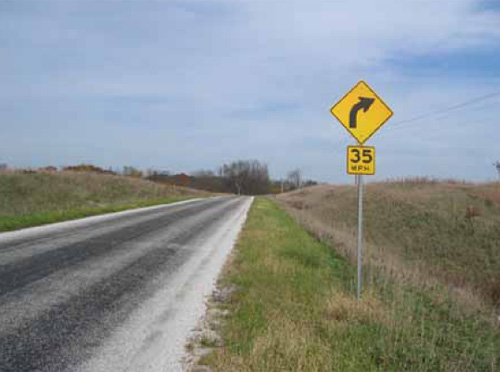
column 187, row 85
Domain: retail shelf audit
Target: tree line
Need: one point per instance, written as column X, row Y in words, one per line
column 241, row 177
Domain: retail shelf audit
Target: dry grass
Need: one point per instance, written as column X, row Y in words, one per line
column 345, row 309
column 294, row 309
column 417, row 231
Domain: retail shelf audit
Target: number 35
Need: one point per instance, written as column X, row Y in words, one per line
column 365, row 156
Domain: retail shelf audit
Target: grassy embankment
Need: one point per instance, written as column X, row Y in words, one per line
column 423, row 232
column 40, row 198
column 294, row 308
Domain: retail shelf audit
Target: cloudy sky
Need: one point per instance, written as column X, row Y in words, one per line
column 185, row 85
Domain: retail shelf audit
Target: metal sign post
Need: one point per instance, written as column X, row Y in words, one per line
column 360, row 232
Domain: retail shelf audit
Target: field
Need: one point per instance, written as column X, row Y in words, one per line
column 36, row 198
column 293, row 292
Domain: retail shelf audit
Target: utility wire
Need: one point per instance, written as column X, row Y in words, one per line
column 408, row 122
column 399, row 124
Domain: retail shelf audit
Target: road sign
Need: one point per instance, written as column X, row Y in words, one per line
column 361, row 160
column 361, row 112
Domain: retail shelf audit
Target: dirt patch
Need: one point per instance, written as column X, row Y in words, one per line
column 206, row 335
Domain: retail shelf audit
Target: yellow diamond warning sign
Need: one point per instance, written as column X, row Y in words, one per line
column 361, row 112
column 360, row 160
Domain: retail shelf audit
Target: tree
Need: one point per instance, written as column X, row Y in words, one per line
column 497, row 167
column 203, row 173
column 206, row 179
column 247, row 177
column 308, row 183
column 131, row 171
column 86, row 168
column 294, row 179
column 150, row 173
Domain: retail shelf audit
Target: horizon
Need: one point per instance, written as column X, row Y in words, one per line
column 119, row 171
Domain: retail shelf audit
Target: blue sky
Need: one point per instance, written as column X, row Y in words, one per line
column 186, row 85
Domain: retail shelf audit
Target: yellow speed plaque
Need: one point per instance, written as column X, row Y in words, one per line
column 361, row 160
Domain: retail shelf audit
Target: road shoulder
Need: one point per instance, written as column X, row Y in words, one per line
column 289, row 304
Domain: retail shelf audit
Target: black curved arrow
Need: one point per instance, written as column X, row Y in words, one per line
column 364, row 104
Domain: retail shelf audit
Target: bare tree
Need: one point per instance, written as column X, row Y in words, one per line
column 150, row 173
column 131, row 171
column 203, row 173
column 248, row 177
column 294, row 179
column 206, row 179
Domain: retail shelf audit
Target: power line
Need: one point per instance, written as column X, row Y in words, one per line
column 408, row 122
column 444, row 110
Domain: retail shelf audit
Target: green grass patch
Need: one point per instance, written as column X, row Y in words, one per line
column 34, row 199
column 9, row 223
column 295, row 310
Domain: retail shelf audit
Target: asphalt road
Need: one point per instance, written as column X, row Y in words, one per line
column 112, row 293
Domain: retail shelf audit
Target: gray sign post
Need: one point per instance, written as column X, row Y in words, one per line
column 360, row 232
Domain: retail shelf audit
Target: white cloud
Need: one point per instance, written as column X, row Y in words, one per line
column 232, row 70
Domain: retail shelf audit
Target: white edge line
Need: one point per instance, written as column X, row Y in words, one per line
column 30, row 231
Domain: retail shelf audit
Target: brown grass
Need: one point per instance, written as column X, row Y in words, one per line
column 419, row 231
